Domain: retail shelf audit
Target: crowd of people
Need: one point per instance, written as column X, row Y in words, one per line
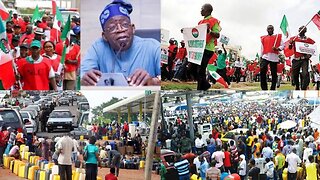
column 270, row 64
column 261, row 150
column 68, row 150
column 37, row 50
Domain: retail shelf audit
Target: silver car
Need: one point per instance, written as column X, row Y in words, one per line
column 60, row 119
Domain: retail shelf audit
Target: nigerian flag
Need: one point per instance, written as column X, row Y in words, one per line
column 213, row 72
column 36, row 15
column 65, row 38
column 284, row 26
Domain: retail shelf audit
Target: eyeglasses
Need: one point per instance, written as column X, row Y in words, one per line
column 113, row 27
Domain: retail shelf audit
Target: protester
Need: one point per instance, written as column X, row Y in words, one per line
column 271, row 45
column 300, row 61
column 64, row 146
column 213, row 33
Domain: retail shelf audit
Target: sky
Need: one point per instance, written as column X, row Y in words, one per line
column 97, row 97
column 243, row 21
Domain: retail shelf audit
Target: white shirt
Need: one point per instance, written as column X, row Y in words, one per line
column 260, row 164
column 238, row 64
column 243, row 167
column 199, row 143
column 306, row 153
column 198, row 163
column 65, row 144
column 218, row 156
column 75, row 145
column 267, row 152
column 269, row 168
column 293, row 161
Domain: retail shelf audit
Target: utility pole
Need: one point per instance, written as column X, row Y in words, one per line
column 152, row 136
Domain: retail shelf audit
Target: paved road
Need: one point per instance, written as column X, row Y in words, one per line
column 73, row 110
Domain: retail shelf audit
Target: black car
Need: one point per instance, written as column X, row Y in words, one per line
column 11, row 118
column 63, row 101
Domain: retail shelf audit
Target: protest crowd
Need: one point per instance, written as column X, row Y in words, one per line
column 248, row 140
column 279, row 59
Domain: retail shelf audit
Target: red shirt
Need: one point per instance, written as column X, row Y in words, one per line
column 27, row 38
column 280, row 67
column 251, row 67
column 34, row 76
column 110, row 176
column 23, row 26
column 227, row 159
column 74, row 54
column 182, row 53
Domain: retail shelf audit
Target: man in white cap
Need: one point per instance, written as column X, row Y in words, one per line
column 243, row 167
column 120, row 51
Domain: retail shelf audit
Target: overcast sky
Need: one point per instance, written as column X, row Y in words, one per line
column 97, row 97
column 243, row 21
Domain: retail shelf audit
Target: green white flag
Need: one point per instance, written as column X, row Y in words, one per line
column 284, row 26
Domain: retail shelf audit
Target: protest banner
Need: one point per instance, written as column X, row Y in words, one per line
column 195, row 39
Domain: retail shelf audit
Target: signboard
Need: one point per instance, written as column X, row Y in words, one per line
column 195, row 39
column 224, row 39
column 306, row 48
column 164, row 54
column 164, row 36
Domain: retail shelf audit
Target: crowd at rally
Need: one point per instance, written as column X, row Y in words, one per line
column 277, row 61
column 261, row 150
column 44, row 56
column 68, row 150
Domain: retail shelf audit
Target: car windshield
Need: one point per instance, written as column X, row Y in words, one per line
column 228, row 135
column 84, row 107
column 9, row 116
column 60, row 114
column 24, row 115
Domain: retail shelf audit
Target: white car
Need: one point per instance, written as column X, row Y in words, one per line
column 60, row 119
column 29, row 123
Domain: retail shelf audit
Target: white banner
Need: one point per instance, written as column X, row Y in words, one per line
column 306, row 48
column 195, row 39
column 164, row 54
column 164, row 36
column 224, row 39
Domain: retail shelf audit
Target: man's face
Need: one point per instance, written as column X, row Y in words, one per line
column 26, row 19
column 15, row 43
column 270, row 30
column 38, row 37
column 29, row 29
column 35, row 51
column 203, row 11
column 118, row 31
column 302, row 30
column 9, row 26
column 17, row 30
column 23, row 52
column 15, row 16
column 183, row 44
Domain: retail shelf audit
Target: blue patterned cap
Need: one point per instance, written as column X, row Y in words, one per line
column 116, row 8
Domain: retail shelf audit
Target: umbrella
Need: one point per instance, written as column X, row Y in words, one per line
column 288, row 124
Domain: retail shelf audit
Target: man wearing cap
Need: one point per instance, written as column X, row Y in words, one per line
column 172, row 49
column 120, row 51
column 181, row 63
column 35, row 71
column 15, row 18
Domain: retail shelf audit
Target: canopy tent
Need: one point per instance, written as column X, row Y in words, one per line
column 132, row 104
column 314, row 118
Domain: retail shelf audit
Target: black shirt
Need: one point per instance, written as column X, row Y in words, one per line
column 254, row 172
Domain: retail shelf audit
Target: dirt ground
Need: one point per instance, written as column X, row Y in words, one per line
column 125, row 174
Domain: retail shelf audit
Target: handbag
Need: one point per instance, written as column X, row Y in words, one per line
column 85, row 154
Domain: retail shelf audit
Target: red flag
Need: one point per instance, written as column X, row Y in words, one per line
column 54, row 7
column 213, row 58
column 7, row 73
column 316, row 20
column 288, row 52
